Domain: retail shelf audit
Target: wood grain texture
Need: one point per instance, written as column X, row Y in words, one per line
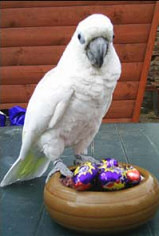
column 22, row 93
column 119, row 109
column 23, row 4
column 126, row 90
column 49, row 36
column 18, row 75
column 61, row 16
column 16, row 93
column 39, row 55
column 9, row 105
column 131, row 71
column 117, row 120
column 34, row 35
column 50, row 55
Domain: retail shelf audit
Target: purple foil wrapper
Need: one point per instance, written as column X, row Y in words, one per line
column 113, row 178
column 107, row 163
column 85, row 173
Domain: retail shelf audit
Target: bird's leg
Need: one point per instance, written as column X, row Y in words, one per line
column 80, row 159
column 59, row 166
column 92, row 148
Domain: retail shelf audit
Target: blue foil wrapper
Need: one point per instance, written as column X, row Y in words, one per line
column 17, row 115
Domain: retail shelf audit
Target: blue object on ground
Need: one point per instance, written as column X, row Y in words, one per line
column 17, row 115
column 2, row 119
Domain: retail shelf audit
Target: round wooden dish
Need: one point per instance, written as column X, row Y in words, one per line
column 98, row 212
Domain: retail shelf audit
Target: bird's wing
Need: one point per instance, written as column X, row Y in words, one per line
column 106, row 106
column 46, row 107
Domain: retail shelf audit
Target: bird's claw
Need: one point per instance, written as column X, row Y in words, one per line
column 80, row 159
column 59, row 166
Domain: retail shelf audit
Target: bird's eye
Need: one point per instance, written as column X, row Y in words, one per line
column 81, row 38
column 113, row 36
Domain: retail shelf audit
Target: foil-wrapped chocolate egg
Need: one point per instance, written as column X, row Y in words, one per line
column 113, row 178
column 133, row 176
column 84, row 176
column 107, row 163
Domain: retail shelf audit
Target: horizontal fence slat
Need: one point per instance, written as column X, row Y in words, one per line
column 36, row 36
column 16, row 93
column 131, row 52
column 49, row 36
column 131, row 71
column 23, row 4
column 118, row 110
column 37, row 55
column 50, row 55
column 61, row 16
column 4, row 106
column 15, row 75
column 126, row 90
column 22, row 93
column 131, row 33
column 117, row 120
column 121, row 109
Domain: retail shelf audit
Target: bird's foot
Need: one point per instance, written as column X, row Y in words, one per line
column 59, row 166
column 80, row 159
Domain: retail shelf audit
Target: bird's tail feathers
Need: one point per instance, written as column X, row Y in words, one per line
column 30, row 167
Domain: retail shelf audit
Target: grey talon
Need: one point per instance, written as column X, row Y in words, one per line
column 59, row 166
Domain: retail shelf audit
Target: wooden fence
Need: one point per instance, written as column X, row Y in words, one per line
column 34, row 35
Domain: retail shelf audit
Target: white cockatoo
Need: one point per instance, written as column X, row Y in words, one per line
column 68, row 104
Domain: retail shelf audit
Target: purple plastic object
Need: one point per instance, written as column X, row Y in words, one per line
column 17, row 115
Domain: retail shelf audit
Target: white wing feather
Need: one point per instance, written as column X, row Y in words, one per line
column 45, row 109
column 46, row 106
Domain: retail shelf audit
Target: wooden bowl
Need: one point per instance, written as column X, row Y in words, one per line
column 99, row 212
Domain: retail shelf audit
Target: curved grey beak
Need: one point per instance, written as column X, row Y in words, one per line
column 96, row 51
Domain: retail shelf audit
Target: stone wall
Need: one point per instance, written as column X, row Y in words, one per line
column 153, row 75
column 151, row 97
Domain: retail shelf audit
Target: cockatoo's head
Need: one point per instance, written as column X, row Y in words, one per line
column 93, row 36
